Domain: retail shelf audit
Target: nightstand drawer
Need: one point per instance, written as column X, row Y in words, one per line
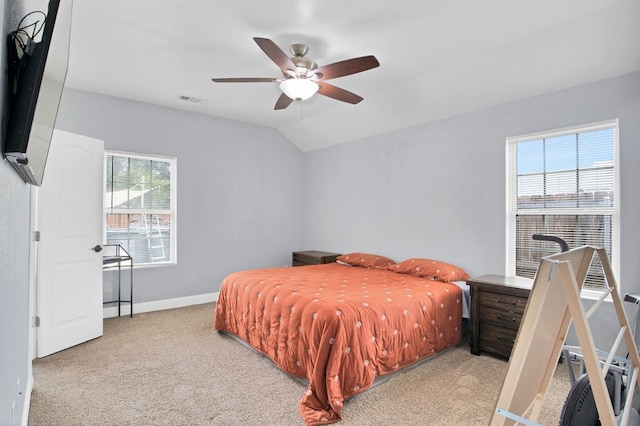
column 499, row 317
column 497, row 340
column 503, row 302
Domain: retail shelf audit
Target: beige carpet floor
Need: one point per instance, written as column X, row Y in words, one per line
column 172, row 368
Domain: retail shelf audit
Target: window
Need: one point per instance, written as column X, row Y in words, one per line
column 140, row 206
column 563, row 183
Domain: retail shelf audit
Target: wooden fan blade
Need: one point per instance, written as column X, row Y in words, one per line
column 244, row 80
column 346, row 67
column 334, row 92
column 276, row 54
column 283, row 102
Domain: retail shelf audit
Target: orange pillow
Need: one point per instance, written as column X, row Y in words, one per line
column 365, row 260
column 428, row 268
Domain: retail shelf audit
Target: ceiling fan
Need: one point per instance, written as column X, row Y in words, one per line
column 302, row 76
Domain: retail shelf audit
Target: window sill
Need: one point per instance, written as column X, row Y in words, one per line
column 594, row 295
column 148, row 265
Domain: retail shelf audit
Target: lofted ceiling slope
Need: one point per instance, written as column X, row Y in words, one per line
column 437, row 58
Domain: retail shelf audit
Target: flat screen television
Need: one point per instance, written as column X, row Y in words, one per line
column 36, row 79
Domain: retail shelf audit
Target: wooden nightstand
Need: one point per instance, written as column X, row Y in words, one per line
column 497, row 305
column 312, row 257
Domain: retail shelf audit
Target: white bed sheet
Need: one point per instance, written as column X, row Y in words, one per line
column 466, row 298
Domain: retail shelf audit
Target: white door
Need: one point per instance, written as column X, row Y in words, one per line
column 69, row 271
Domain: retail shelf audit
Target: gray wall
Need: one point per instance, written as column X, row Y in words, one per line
column 438, row 190
column 14, row 291
column 14, row 263
column 239, row 188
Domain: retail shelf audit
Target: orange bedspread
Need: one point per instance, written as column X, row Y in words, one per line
column 339, row 326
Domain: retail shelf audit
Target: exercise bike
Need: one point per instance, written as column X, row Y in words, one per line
column 580, row 408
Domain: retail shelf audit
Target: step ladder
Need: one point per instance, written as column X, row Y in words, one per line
column 553, row 303
column 155, row 239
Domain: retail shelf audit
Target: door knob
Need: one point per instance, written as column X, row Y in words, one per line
column 97, row 248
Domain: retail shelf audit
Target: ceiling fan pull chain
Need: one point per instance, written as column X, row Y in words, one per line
column 298, row 118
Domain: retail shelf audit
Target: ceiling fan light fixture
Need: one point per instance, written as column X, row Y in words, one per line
column 299, row 89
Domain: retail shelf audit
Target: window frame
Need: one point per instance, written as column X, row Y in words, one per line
column 512, row 211
column 172, row 211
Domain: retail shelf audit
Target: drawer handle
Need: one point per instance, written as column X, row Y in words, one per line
column 500, row 317
column 505, row 339
column 507, row 302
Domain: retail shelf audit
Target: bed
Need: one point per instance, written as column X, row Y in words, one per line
column 341, row 325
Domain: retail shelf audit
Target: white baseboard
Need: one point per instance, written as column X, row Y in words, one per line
column 27, row 401
column 159, row 305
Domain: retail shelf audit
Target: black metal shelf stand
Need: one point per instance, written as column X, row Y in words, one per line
column 116, row 255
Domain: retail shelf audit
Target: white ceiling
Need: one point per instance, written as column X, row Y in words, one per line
column 437, row 58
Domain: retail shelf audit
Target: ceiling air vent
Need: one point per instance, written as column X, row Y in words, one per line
column 191, row 99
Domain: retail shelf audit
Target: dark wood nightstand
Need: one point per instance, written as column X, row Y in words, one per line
column 312, row 257
column 497, row 305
